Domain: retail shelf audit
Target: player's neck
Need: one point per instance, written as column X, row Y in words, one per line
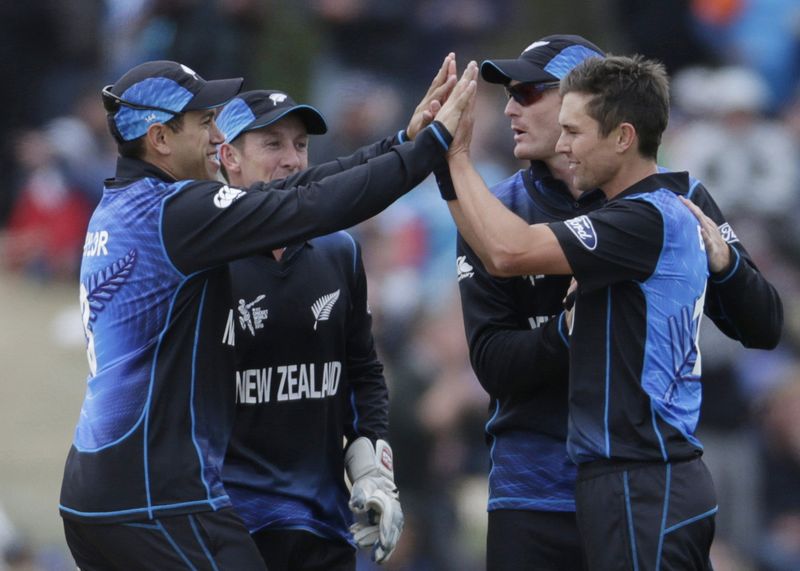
column 629, row 173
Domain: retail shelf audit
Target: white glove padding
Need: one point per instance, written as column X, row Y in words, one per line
column 374, row 497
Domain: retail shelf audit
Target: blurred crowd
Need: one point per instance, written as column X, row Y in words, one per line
column 735, row 125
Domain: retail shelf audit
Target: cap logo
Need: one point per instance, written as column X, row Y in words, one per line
column 277, row 98
column 190, row 71
column 535, row 45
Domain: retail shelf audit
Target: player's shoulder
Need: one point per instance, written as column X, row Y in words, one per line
column 508, row 187
column 339, row 244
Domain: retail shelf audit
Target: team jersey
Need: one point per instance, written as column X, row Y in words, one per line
column 635, row 368
column 155, row 298
column 521, row 357
column 307, row 376
column 519, row 319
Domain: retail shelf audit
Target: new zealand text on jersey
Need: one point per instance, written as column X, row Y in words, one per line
column 293, row 382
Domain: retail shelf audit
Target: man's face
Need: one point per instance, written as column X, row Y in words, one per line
column 593, row 160
column 274, row 152
column 535, row 126
column 194, row 147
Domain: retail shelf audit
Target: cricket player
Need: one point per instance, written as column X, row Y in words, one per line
column 142, row 484
column 516, row 330
column 644, row 499
column 307, row 374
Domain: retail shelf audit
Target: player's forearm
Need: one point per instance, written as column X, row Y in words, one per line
column 755, row 319
column 491, row 230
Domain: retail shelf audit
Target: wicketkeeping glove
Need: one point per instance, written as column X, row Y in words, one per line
column 374, row 498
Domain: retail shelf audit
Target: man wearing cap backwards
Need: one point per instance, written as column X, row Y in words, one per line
column 308, row 373
column 142, row 484
column 516, row 329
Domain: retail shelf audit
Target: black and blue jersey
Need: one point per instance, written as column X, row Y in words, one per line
column 519, row 351
column 155, row 299
column 642, row 269
column 307, row 376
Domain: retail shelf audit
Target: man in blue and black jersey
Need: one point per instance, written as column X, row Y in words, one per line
column 607, row 251
column 307, row 374
column 515, row 325
column 142, row 484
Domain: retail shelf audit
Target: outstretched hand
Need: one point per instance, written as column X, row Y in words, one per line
column 437, row 94
column 458, row 104
column 717, row 249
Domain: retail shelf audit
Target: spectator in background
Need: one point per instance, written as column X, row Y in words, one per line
column 780, row 540
column 47, row 224
column 750, row 161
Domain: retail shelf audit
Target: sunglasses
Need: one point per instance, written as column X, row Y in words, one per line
column 529, row 93
column 112, row 103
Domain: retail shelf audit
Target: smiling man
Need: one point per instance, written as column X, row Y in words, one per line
column 142, row 485
column 319, row 380
column 644, row 498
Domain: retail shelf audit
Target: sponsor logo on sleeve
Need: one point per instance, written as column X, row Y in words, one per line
column 463, row 267
column 226, row 196
column 728, row 234
column 583, row 230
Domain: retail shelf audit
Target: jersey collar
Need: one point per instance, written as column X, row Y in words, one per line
column 677, row 182
column 553, row 194
column 129, row 170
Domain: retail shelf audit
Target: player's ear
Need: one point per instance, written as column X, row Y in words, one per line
column 230, row 158
column 625, row 137
column 156, row 137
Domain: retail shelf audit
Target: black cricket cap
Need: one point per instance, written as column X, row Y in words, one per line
column 255, row 109
column 156, row 91
column 545, row 60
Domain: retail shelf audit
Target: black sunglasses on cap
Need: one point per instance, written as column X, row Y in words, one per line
column 112, row 103
column 529, row 93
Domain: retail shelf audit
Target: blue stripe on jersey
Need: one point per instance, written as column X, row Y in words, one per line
column 664, row 511
column 629, row 514
column 175, row 546
column 734, row 267
column 150, row 395
column 214, row 504
column 608, row 376
column 178, row 187
column 193, row 523
column 684, row 523
column 488, row 429
column 674, row 296
column 355, row 411
column 693, row 182
column 200, row 457
column 355, row 251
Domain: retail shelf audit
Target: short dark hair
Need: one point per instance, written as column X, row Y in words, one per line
column 134, row 149
column 631, row 90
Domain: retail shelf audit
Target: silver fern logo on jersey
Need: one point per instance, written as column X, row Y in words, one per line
column 463, row 267
column 323, row 306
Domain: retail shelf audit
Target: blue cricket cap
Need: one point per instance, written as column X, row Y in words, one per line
column 157, row 91
column 255, row 109
column 545, row 60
